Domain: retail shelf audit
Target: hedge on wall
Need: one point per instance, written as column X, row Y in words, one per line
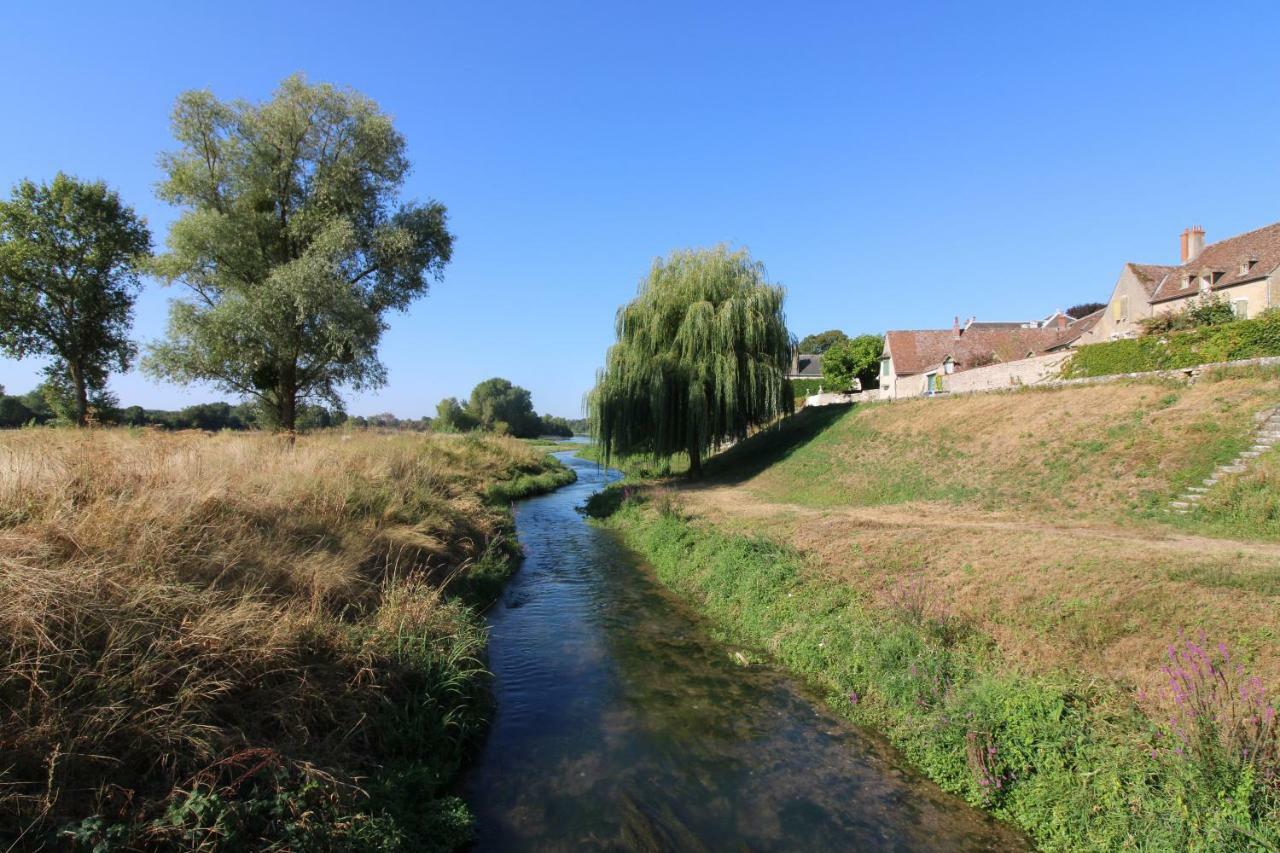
column 1227, row 342
column 805, row 387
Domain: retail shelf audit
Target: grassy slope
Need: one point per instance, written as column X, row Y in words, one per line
column 1032, row 522
column 1112, row 452
column 223, row 641
column 1055, row 542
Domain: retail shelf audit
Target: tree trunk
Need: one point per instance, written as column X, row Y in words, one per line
column 82, row 394
column 288, row 403
column 695, row 460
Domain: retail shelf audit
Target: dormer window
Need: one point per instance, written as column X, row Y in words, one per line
column 1186, row 280
column 1247, row 264
column 1217, row 275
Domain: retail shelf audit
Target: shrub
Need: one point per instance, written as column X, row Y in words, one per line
column 808, row 387
column 1210, row 309
column 1239, row 339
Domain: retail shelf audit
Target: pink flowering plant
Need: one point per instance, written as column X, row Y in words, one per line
column 1222, row 716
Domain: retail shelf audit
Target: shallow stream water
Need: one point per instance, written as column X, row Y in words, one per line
column 621, row 723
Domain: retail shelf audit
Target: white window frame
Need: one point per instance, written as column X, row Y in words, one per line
column 1241, row 308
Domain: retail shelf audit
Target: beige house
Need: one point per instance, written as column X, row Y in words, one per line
column 918, row 362
column 1243, row 270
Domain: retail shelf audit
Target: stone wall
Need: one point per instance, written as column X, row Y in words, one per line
column 1009, row 374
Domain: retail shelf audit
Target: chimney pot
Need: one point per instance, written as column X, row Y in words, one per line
column 1192, row 243
column 955, row 328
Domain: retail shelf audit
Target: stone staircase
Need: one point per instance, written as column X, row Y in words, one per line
column 1266, row 436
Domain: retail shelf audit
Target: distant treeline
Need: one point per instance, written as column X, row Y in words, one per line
column 44, row 406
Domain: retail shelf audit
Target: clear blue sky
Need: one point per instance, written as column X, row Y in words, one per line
column 892, row 164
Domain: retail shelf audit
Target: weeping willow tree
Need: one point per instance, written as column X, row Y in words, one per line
column 701, row 358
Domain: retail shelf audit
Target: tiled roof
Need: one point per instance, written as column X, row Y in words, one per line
column 809, row 367
column 1150, row 275
column 1261, row 246
column 1085, row 323
column 918, row 351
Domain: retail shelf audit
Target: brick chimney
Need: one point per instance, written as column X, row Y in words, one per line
column 1192, row 243
column 955, row 328
column 1062, row 321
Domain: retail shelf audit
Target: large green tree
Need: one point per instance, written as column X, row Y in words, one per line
column 856, row 358
column 70, row 253
column 293, row 244
column 701, row 358
column 498, row 405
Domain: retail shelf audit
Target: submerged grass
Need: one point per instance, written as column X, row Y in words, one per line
column 228, row 642
column 1069, row 759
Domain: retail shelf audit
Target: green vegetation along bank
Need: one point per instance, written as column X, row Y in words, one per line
column 1234, row 341
column 234, row 642
column 1066, row 757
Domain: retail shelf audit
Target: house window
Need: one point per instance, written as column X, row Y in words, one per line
column 948, row 366
column 884, row 367
column 1241, row 307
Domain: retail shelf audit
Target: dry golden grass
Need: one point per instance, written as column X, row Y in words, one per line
column 168, row 601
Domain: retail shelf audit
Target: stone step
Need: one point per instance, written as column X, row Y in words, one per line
column 1183, row 505
column 1231, row 469
column 1192, row 498
column 1261, row 448
column 1197, row 489
column 1250, row 454
column 1209, row 481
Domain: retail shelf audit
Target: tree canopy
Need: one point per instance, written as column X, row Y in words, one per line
column 496, row 405
column 292, row 244
column 856, row 358
column 701, row 357
column 1084, row 309
column 821, row 342
column 499, row 406
column 70, row 252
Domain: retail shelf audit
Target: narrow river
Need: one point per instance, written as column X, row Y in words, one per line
column 621, row 723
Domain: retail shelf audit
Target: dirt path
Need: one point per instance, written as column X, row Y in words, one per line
column 736, row 501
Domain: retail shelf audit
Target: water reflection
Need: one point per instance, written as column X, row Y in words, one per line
column 622, row 725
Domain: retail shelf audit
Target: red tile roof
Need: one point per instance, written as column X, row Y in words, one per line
column 1261, row 246
column 1150, row 275
column 918, row 351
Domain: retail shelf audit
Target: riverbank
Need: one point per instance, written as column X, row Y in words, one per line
column 1072, row 761
column 1005, row 557
column 228, row 642
column 623, row 723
